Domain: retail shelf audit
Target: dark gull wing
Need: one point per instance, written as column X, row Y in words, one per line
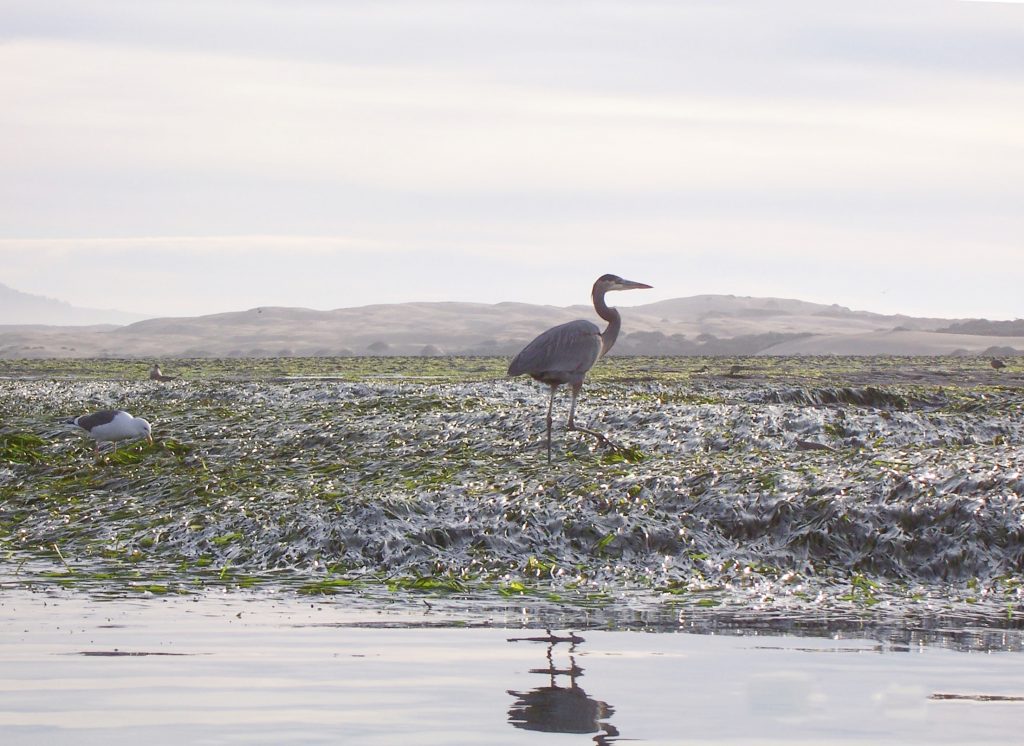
column 89, row 421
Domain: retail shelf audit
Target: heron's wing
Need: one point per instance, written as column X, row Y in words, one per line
column 560, row 354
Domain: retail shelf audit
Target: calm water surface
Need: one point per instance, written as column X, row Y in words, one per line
column 238, row 669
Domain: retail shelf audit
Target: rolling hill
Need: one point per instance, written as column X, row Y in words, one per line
column 698, row 325
column 17, row 307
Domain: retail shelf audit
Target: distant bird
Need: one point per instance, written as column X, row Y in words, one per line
column 156, row 375
column 112, row 425
column 997, row 363
column 564, row 354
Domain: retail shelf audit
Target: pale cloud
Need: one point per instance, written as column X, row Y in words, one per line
column 217, row 155
column 56, row 249
column 91, row 107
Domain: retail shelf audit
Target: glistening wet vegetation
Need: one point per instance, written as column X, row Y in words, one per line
column 753, row 489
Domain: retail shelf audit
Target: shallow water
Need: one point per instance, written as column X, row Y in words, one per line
column 259, row 668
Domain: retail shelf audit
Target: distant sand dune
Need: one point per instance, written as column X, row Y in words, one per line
column 707, row 324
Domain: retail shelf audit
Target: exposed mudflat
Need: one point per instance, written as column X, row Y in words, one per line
column 855, row 488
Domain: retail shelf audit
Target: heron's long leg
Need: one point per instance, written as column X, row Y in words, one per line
column 551, row 404
column 605, row 440
column 572, row 406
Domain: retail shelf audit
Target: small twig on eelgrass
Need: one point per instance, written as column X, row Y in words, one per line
column 57, row 550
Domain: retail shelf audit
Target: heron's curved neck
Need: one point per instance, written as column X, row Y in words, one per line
column 611, row 315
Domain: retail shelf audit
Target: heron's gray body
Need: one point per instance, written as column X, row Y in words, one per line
column 562, row 354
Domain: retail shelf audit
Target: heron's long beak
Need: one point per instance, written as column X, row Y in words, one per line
column 150, row 439
column 630, row 285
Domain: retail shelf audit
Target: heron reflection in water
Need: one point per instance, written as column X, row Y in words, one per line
column 561, row 709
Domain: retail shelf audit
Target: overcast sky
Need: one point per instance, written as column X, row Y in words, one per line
column 188, row 157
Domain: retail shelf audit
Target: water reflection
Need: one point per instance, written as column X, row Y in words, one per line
column 561, row 706
column 898, row 633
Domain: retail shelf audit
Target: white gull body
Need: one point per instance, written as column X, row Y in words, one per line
column 112, row 425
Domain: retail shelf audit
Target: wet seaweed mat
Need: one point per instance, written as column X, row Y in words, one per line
column 876, row 486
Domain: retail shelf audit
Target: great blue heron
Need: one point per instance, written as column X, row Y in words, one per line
column 564, row 353
column 112, row 425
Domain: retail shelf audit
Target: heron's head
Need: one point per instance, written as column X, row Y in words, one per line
column 606, row 283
